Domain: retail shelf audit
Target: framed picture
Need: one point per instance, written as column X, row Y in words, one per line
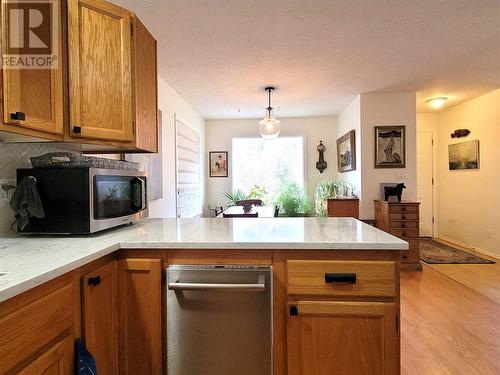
column 390, row 146
column 463, row 155
column 346, row 152
column 218, row 163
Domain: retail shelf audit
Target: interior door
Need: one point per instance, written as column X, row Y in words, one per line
column 100, row 71
column 424, row 182
column 326, row 337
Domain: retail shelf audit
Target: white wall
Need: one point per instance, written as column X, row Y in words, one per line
column 469, row 200
column 382, row 109
column 172, row 104
column 350, row 119
column 219, row 134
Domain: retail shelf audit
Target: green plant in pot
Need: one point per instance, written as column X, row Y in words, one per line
column 292, row 201
column 234, row 196
column 328, row 189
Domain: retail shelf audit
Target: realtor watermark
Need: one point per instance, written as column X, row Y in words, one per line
column 30, row 34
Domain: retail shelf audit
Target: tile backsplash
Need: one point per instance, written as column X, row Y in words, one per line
column 13, row 156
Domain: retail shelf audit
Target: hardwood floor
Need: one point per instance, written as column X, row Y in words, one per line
column 483, row 278
column 447, row 327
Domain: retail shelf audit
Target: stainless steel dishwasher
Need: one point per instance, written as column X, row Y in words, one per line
column 219, row 320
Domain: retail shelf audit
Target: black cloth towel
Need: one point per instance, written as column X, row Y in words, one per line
column 26, row 202
column 85, row 363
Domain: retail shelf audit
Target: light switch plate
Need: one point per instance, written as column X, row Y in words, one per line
column 399, row 176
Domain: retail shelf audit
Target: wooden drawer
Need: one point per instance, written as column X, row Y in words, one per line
column 403, row 224
column 330, row 278
column 404, row 232
column 32, row 326
column 399, row 208
column 403, row 216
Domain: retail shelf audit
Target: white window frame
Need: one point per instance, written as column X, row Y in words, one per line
column 304, row 157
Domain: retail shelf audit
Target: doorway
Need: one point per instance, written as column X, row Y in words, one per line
column 425, row 182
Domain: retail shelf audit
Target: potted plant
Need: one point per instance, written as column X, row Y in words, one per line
column 292, row 201
column 328, row 189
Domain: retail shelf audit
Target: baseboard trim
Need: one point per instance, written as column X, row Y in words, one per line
column 466, row 247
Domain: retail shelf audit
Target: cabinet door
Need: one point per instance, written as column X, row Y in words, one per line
column 145, row 88
column 57, row 360
column 100, row 320
column 348, row 338
column 100, row 86
column 33, row 97
column 140, row 316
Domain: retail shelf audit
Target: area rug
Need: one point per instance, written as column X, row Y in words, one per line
column 437, row 253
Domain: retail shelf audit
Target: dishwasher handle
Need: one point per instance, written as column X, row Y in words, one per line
column 260, row 286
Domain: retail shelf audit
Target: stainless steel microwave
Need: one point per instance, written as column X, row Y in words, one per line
column 86, row 200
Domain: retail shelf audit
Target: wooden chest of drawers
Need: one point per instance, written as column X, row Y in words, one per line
column 343, row 207
column 401, row 220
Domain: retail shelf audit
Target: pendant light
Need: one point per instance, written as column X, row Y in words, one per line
column 269, row 127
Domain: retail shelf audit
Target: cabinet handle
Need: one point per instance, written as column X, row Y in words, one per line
column 19, row 116
column 403, row 209
column 94, row 281
column 340, row 278
column 77, row 129
column 403, row 225
column 403, row 217
column 294, row 311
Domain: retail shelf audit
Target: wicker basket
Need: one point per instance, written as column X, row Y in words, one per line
column 71, row 160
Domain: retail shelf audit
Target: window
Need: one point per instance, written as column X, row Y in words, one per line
column 267, row 163
column 189, row 200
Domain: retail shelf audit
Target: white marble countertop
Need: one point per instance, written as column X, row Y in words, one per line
column 28, row 261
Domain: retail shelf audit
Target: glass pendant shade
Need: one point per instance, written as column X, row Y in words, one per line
column 269, row 127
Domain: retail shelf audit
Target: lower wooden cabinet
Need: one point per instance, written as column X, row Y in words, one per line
column 31, row 327
column 329, row 337
column 57, row 360
column 100, row 316
column 140, row 316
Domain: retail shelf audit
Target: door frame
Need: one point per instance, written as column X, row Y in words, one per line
column 433, row 183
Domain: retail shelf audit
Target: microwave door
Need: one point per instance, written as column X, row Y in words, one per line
column 113, row 196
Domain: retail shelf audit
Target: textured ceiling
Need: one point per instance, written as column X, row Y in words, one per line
column 220, row 54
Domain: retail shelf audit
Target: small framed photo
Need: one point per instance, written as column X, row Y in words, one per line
column 219, row 165
column 346, row 152
column 390, row 146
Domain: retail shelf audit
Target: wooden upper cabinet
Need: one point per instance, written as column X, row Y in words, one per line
column 100, row 316
column 100, row 82
column 145, row 87
column 328, row 337
column 32, row 98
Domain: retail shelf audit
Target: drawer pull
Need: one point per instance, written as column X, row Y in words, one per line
column 403, row 209
column 18, row 116
column 340, row 278
column 403, row 225
column 94, row 281
column 77, row 129
column 403, row 217
column 294, row 311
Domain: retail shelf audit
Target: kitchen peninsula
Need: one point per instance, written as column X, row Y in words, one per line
column 335, row 293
